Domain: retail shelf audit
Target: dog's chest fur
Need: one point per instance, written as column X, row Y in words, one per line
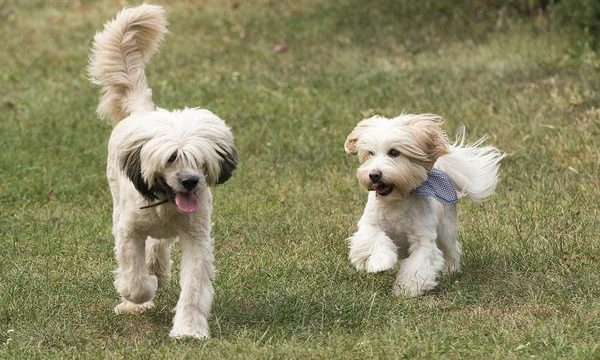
column 399, row 217
column 161, row 222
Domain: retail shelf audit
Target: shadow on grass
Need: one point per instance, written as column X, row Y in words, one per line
column 336, row 298
column 346, row 301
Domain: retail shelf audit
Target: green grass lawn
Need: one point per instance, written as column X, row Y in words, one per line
column 284, row 288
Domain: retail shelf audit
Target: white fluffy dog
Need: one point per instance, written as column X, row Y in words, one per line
column 413, row 175
column 160, row 167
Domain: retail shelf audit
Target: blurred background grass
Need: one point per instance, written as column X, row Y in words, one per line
column 525, row 72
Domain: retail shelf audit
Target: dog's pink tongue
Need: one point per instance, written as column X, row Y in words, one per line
column 186, row 202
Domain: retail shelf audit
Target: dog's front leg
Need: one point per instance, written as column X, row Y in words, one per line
column 132, row 281
column 195, row 299
column 418, row 273
column 371, row 249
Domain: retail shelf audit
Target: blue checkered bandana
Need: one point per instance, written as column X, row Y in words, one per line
column 438, row 185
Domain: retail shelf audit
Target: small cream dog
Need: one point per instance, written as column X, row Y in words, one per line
column 160, row 167
column 415, row 177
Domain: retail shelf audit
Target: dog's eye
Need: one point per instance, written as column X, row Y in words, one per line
column 172, row 158
column 371, row 153
column 393, row 153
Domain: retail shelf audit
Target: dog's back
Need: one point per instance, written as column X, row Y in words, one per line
column 117, row 60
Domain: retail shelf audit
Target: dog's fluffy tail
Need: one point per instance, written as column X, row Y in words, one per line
column 472, row 167
column 117, row 60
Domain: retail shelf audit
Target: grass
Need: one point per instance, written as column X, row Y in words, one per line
column 530, row 286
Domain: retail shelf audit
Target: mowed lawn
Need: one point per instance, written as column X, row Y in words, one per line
column 284, row 288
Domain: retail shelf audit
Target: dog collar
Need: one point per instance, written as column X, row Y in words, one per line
column 155, row 204
column 438, row 185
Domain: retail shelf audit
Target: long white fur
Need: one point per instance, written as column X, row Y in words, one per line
column 195, row 133
column 417, row 229
column 147, row 138
column 472, row 167
column 118, row 57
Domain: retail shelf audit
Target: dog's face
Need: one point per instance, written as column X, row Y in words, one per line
column 175, row 154
column 396, row 154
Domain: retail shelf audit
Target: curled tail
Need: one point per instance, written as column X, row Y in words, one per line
column 117, row 60
column 472, row 167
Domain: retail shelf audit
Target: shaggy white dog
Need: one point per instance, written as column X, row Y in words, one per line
column 413, row 175
column 160, row 167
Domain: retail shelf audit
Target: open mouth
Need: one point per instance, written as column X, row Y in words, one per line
column 382, row 188
column 186, row 202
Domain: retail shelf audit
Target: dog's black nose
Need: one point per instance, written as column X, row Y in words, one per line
column 189, row 182
column 375, row 176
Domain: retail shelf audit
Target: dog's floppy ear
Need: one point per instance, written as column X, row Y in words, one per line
column 227, row 162
column 351, row 141
column 131, row 164
column 426, row 130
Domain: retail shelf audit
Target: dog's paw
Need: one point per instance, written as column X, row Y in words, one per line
column 139, row 291
column 359, row 264
column 373, row 253
column 412, row 288
column 451, row 267
column 179, row 334
column 403, row 290
column 381, row 261
column 376, row 262
column 127, row 307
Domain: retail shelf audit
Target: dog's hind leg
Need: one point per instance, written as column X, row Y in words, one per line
column 158, row 259
column 448, row 240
